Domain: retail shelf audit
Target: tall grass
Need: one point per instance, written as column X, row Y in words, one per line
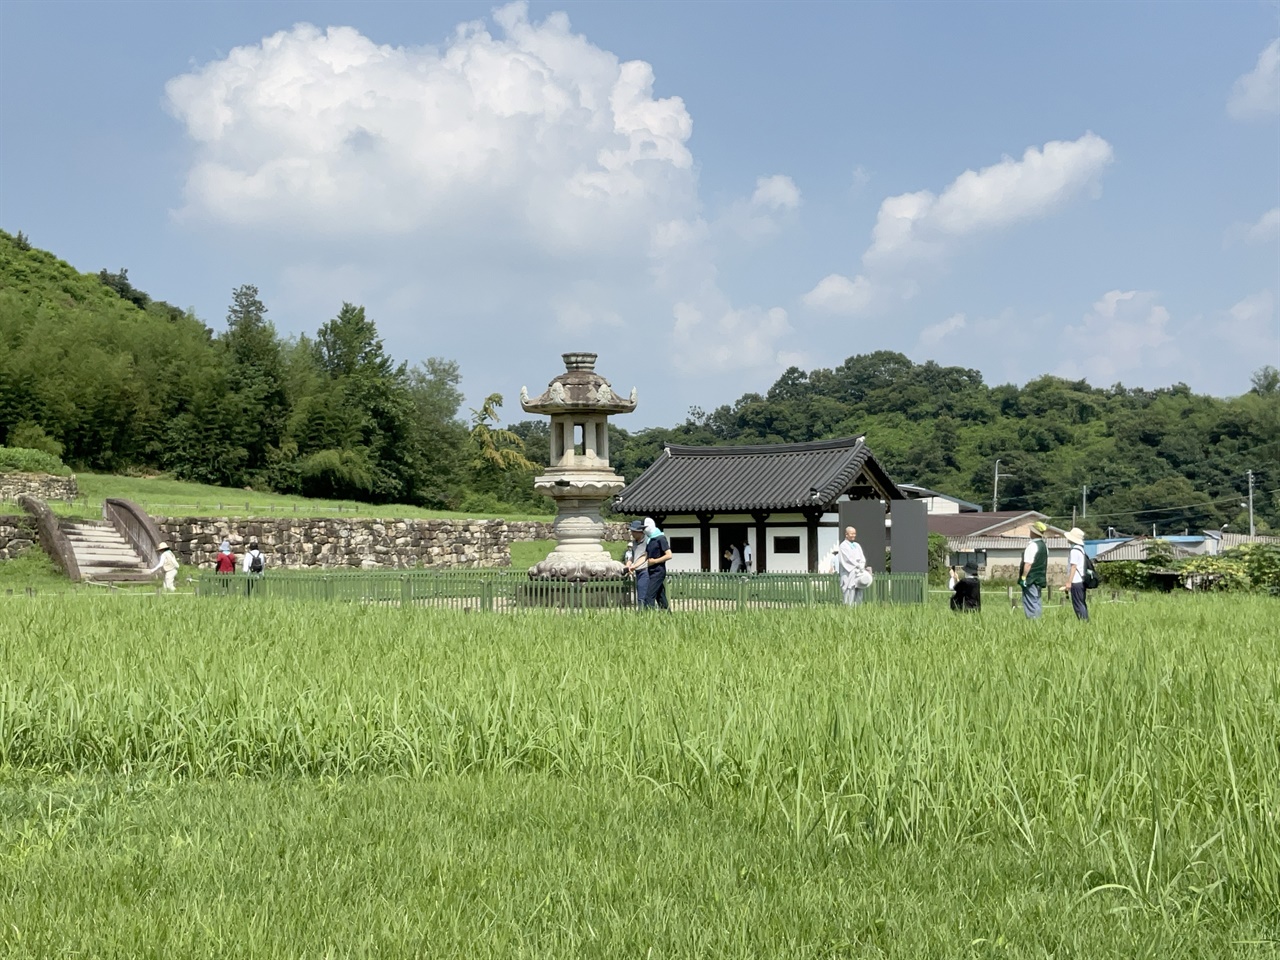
column 1139, row 752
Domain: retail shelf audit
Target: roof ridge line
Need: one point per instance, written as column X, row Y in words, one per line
column 808, row 446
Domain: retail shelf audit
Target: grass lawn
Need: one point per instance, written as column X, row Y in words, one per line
column 349, row 781
column 174, row 498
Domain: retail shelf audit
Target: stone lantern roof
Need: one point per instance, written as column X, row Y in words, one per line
column 578, row 390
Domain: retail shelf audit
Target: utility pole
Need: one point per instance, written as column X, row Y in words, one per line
column 1084, row 502
column 995, row 489
column 1250, row 472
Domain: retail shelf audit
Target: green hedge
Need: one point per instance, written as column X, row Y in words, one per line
column 22, row 460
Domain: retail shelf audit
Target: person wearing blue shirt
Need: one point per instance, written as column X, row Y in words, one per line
column 658, row 551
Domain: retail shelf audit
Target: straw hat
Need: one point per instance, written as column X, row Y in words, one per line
column 1075, row 535
column 162, row 545
column 1039, row 528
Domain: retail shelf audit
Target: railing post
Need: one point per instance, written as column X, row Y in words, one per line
column 808, row 592
column 406, row 592
column 486, row 595
column 742, row 594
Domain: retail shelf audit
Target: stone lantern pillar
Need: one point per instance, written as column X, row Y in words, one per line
column 579, row 478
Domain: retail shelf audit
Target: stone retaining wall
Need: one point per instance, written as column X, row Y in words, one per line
column 40, row 485
column 344, row 544
column 16, row 535
column 543, row 530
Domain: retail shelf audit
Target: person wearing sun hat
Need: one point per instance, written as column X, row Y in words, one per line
column 1033, row 575
column 1075, row 573
column 168, row 563
column 966, row 592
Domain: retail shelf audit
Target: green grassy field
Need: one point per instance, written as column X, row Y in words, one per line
column 189, row 778
column 174, row 498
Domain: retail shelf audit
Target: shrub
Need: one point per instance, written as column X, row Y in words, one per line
column 29, row 435
column 1125, row 574
column 1224, row 572
column 24, row 460
column 1262, row 561
column 938, row 557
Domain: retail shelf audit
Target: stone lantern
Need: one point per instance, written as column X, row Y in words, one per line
column 579, row 478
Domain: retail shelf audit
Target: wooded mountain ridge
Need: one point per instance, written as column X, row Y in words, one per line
column 95, row 370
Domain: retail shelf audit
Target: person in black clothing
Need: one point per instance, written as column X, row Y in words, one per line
column 658, row 550
column 966, row 594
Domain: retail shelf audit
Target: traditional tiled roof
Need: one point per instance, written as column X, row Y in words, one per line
column 990, row 523
column 772, row 477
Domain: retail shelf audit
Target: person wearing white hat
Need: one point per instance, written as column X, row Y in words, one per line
column 1075, row 573
column 168, row 563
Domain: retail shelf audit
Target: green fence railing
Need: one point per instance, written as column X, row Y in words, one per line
column 505, row 589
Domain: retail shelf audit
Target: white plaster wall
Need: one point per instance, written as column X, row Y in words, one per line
column 788, row 562
column 685, row 562
column 938, row 505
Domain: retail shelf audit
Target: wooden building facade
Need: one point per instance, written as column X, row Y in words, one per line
column 783, row 499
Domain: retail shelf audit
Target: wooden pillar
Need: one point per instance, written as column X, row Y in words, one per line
column 704, row 528
column 762, row 545
column 811, row 524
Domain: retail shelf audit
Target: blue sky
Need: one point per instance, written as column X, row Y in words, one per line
column 702, row 193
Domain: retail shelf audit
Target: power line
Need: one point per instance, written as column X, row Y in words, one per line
column 1188, row 506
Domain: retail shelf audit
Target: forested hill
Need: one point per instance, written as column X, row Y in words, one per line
column 1168, row 456
column 93, row 368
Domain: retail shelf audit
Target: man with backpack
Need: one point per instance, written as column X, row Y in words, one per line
column 254, row 561
column 1080, row 574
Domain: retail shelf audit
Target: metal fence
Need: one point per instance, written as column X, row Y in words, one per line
column 500, row 590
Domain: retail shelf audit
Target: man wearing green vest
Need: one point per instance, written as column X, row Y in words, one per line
column 1033, row 576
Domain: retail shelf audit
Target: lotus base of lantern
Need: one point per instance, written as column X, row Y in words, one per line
column 579, row 528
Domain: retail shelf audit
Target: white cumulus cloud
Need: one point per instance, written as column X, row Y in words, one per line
column 520, row 175
column 920, row 224
column 1250, row 325
column 1125, row 332
column 776, row 193
column 836, row 293
column 535, row 131
column 1267, row 228
column 922, row 227
column 935, row 333
column 1256, row 94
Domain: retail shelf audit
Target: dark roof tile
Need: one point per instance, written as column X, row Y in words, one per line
column 779, row 476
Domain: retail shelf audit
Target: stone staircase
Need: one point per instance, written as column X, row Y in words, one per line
column 101, row 552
